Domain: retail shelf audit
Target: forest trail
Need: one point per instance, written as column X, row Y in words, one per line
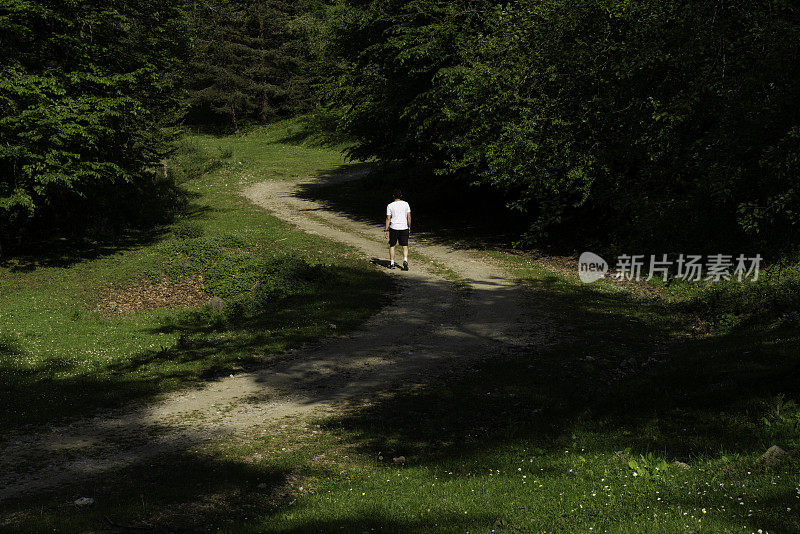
column 429, row 329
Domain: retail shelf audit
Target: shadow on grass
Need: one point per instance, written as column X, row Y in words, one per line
column 612, row 373
column 609, row 368
column 458, row 215
column 210, row 344
column 612, row 378
column 190, row 493
column 375, row 519
column 180, row 492
column 62, row 252
column 613, row 381
column 615, row 366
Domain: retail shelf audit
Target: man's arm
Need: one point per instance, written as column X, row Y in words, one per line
column 408, row 218
column 388, row 221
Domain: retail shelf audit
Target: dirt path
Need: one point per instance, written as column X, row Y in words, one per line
column 441, row 328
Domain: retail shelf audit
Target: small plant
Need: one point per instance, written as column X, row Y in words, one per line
column 649, row 467
column 783, row 418
column 192, row 160
column 188, row 230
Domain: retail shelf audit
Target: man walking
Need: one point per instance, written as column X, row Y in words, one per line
column 398, row 226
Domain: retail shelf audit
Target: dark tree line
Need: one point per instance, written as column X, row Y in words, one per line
column 94, row 93
column 251, row 62
column 660, row 123
column 87, row 96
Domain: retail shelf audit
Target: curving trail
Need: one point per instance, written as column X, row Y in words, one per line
column 441, row 328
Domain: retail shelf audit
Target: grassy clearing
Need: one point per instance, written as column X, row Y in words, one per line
column 625, row 422
column 62, row 353
column 582, row 435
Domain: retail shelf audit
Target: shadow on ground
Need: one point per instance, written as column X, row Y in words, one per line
column 611, row 375
column 179, row 492
column 607, row 367
column 62, row 252
column 458, row 216
column 211, row 344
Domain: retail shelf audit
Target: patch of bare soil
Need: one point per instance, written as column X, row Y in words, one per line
column 149, row 296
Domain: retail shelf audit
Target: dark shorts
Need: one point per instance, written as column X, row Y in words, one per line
column 398, row 235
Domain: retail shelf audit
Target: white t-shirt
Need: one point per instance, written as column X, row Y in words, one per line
column 398, row 210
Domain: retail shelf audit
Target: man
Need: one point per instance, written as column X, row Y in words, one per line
column 398, row 226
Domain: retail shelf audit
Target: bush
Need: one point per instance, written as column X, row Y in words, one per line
column 659, row 123
column 773, row 300
column 89, row 88
column 190, row 160
column 254, row 288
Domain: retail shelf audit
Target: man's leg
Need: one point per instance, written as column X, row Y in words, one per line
column 404, row 243
column 392, row 243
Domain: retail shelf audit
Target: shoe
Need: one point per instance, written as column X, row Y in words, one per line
column 391, row 265
column 405, row 265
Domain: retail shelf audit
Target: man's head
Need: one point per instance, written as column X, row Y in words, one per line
column 397, row 194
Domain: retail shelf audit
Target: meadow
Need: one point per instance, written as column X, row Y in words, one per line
column 643, row 415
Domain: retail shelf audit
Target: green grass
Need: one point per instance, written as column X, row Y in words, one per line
column 579, row 434
column 61, row 356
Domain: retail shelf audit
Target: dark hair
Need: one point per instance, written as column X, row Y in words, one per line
column 397, row 194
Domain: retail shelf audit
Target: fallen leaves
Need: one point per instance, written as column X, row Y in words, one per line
column 149, row 296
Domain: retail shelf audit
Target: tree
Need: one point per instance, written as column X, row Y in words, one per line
column 250, row 62
column 87, row 91
column 665, row 123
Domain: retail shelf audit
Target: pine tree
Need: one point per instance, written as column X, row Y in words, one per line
column 248, row 64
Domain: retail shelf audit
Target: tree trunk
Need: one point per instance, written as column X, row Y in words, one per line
column 264, row 101
column 233, row 118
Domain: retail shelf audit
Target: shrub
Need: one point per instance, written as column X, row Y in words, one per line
column 661, row 123
column 88, row 90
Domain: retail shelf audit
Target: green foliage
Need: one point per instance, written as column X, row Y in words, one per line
column 782, row 420
column 772, row 301
column 250, row 62
column 662, row 123
column 86, row 91
column 191, row 160
column 64, row 351
column 648, row 466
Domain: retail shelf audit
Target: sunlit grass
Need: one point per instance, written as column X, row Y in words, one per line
column 63, row 354
column 627, row 422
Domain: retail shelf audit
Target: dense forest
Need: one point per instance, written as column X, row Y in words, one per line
column 655, row 124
